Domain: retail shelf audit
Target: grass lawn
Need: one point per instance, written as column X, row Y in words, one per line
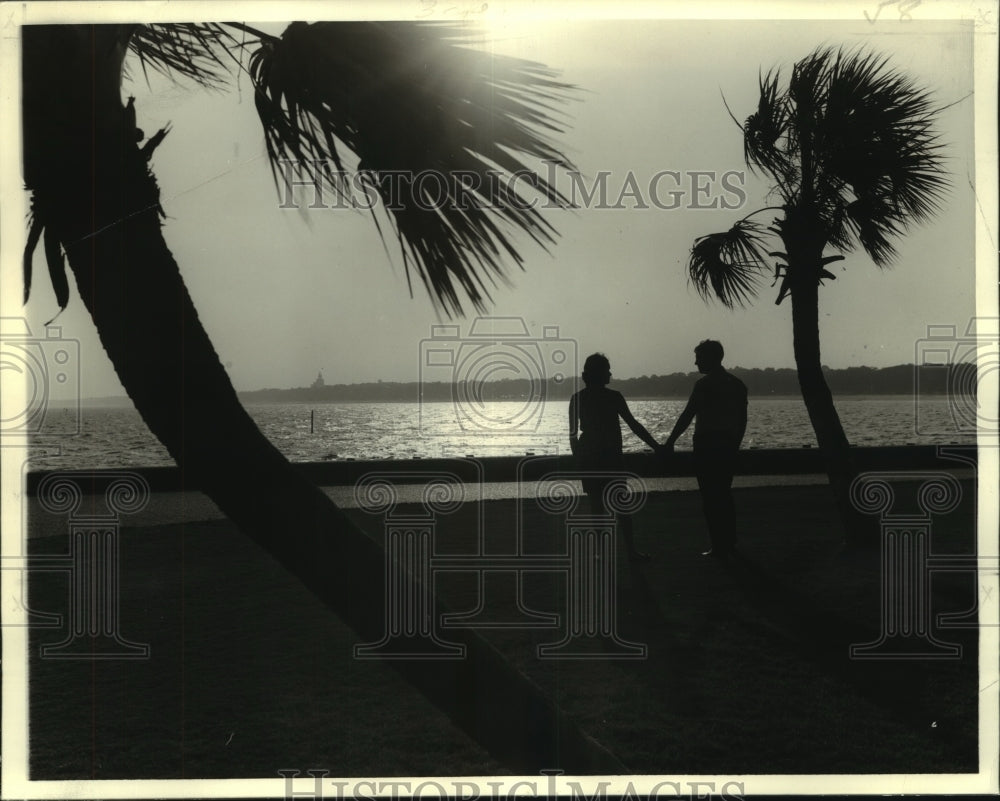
column 747, row 667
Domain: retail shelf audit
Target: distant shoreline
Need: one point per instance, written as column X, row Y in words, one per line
column 124, row 401
column 904, row 380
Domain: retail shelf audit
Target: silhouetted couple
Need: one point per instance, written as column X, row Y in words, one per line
column 718, row 407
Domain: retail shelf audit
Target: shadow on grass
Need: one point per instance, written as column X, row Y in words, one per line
column 250, row 674
column 902, row 686
column 673, row 660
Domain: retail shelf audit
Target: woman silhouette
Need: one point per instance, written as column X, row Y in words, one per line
column 594, row 412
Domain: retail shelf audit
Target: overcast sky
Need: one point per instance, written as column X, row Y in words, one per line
column 284, row 294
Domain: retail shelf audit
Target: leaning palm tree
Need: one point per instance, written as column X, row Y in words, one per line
column 850, row 147
column 400, row 97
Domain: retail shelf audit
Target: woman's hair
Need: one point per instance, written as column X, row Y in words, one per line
column 596, row 369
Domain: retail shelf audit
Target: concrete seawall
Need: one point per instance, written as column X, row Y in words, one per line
column 491, row 469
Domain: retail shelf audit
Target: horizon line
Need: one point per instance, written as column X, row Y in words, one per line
column 376, row 382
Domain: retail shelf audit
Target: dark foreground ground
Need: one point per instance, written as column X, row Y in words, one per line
column 747, row 668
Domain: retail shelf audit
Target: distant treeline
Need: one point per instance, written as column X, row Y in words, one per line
column 899, row 380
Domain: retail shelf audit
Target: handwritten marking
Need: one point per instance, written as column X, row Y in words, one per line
column 905, row 6
column 432, row 8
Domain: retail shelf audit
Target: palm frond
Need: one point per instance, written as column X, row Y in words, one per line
column 882, row 141
column 874, row 229
column 765, row 129
column 808, row 87
column 729, row 265
column 184, row 50
column 874, row 150
column 35, row 228
column 409, row 100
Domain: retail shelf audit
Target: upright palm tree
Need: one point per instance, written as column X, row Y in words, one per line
column 850, row 147
column 400, row 97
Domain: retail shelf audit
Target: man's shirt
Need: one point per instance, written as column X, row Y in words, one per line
column 720, row 404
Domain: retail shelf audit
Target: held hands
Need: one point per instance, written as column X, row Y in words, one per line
column 664, row 450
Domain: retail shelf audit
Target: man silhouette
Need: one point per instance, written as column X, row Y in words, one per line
column 718, row 405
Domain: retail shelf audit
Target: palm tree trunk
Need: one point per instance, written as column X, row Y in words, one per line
column 804, row 238
column 93, row 190
column 826, row 424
